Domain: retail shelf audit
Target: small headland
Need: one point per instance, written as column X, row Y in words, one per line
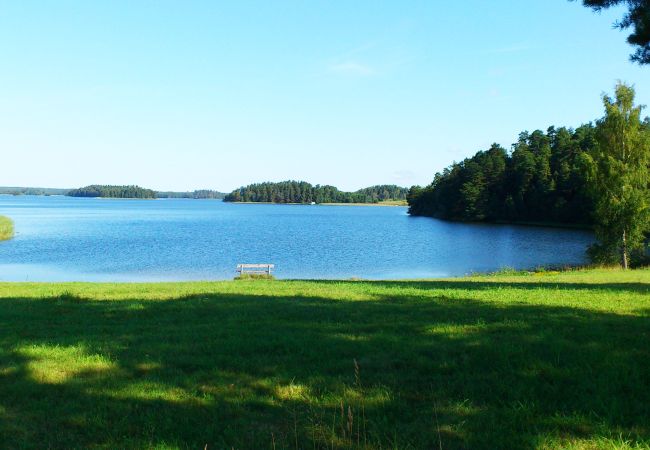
column 6, row 228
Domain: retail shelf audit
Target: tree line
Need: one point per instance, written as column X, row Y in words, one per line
column 597, row 174
column 31, row 191
column 110, row 191
column 543, row 178
column 303, row 192
column 197, row 194
column 97, row 190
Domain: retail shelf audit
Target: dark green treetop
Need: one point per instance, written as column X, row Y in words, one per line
column 637, row 17
column 303, row 192
column 110, row 191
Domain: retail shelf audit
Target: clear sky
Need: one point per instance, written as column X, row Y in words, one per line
column 207, row 94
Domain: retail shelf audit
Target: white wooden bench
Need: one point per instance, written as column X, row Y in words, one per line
column 255, row 268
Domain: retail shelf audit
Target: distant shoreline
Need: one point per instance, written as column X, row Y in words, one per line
column 113, row 191
column 109, row 198
column 387, row 203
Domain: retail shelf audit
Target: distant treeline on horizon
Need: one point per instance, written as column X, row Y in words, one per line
column 198, row 194
column 9, row 190
column 303, row 192
column 109, row 191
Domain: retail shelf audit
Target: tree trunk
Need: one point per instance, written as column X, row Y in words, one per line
column 624, row 249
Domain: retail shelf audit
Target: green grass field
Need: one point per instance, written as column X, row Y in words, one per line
column 508, row 361
column 6, row 228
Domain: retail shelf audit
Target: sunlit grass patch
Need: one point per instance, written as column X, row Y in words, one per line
column 499, row 361
column 58, row 364
column 291, row 392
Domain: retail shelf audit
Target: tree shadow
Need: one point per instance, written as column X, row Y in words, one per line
column 263, row 371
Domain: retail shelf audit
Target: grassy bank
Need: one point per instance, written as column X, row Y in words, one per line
column 382, row 203
column 519, row 361
column 6, row 228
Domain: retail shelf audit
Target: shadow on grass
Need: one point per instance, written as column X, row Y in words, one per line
column 262, row 372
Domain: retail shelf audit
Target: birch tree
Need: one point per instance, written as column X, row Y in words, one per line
column 620, row 162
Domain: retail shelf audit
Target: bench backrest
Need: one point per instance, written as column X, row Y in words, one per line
column 255, row 268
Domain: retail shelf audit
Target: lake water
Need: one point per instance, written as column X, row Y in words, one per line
column 79, row 239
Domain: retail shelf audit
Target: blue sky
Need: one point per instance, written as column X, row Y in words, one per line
column 186, row 95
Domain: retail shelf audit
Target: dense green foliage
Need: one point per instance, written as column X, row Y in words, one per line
column 621, row 176
column 6, row 228
column 637, row 17
column 382, row 193
column 109, row 191
column 596, row 175
column 303, row 192
column 543, row 178
column 32, row 191
column 496, row 362
column 198, row 194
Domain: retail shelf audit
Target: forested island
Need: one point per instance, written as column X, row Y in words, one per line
column 198, row 194
column 110, row 191
column 9, row 190
column 303, row 192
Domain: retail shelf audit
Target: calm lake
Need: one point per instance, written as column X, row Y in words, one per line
column 79, row 239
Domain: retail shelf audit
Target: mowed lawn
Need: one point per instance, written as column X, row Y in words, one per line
column 506, row 361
